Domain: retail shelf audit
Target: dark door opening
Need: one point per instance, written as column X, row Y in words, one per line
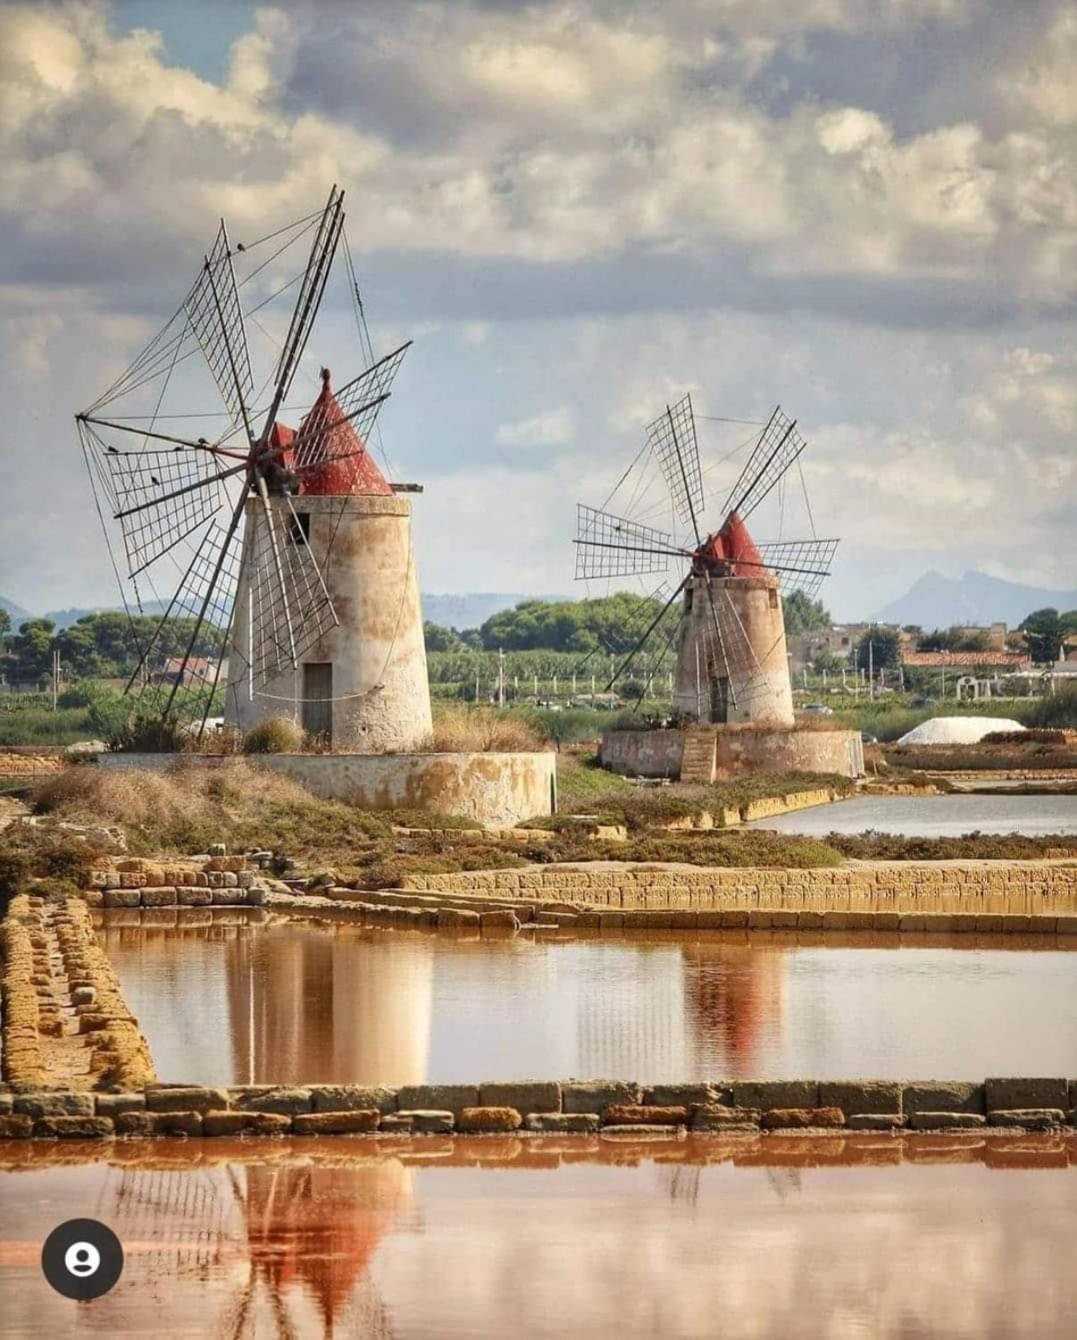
column 719, row 699
column 318, row 701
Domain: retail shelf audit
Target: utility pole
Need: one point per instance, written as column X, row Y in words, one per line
column 500, row 677
column 55, row 677
column 871, row 668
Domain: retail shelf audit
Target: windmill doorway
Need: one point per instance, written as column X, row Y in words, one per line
column 719, row 699
column 317, row 719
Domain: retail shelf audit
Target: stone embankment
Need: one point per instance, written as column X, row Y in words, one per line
column 64, row 1018
column 199, row 881
column 610, row 1108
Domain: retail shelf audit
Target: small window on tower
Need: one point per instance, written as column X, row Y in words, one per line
column 773, row 597
column 299, row 531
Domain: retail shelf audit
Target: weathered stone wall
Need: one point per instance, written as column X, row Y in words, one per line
column 737, row 750
column 65, row 1021
column 980, row 888
column 497, row 789
column 613, row 1108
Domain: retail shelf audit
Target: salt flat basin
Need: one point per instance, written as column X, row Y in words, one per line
column 296, row 1001
column 933, row 816
column 352, row 1242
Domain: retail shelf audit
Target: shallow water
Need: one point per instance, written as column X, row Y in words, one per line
column 934, row 816
column 289, row 1242
column 288, row 1002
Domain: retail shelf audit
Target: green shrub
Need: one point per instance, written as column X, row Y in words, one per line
column 15, row 870
column 275, row 735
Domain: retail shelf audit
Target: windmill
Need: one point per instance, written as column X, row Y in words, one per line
column 255, row 527
column 731, row 660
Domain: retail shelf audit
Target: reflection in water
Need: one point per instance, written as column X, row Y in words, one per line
column 272, row 1003
column 738, row 1236
column 934, row 816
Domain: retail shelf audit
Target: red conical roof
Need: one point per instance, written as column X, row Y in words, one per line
column 734, row 546
column 331, row 458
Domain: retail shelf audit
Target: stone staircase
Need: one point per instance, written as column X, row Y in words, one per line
column 698, row 756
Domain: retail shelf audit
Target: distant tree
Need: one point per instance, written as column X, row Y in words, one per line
column 471, row 639
column 29, row 652
column 827, row 661
column 1045, row 631
column 5, row 625
column 804, row 615
column 609, row 624
column 953, row 639
column 879, row 648
column 440, row 638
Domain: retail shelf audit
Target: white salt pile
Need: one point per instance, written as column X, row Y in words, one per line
column 957, row 730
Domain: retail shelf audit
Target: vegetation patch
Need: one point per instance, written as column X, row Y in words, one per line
column 873, row 846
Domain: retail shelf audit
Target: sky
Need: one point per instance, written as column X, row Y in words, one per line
column 863, row 210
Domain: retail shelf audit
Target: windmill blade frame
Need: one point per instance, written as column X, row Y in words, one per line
column 215, row 316
column 800, row 565
column 672, row 440
column 614, row 546
column 777, row 448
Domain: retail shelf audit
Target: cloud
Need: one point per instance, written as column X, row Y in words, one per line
column 555, row 428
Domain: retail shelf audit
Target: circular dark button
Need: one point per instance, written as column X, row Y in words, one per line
column 82, row 1259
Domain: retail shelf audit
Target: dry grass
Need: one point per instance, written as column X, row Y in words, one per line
column 461, row 729
column 275, row 735
column 185, row 808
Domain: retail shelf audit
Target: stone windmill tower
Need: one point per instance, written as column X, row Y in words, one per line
column 362, row 686
column 729, row 632
column 297, row 584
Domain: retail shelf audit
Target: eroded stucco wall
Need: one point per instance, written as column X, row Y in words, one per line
column 657, row 753
column 495, row 789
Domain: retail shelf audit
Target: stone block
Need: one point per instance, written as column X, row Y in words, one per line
column 765, row 1094
column 188, row 896
column 270, row 1098
column 800, row 1118
column 145, row 1124
column 430, row 1121
column 352, row 1098
column 875, row 1121
column 539, row 1096
column 686, row 1095
column 185, row 1098
column 60, row 1104
column 359, row 1121
column 395, row 1122
column 886, row 921
column 165, row 897
column 7, row 1104
column 73, row 1128
column 478, row 1119
column 112, row 1104
column 1066, row 926
column 1025, row 1093
column 942, row 1096
column 18, row 1127
column 922, row 1120
column 454, row 917
column 642, row 1132
column 644, row 1114
column 498, row 921
column 734, row 918
column 229, row 897
column 861, row 1096
column 438, row 1097
column 83, row 995
column 245, row 1123
column 719, row 1117
column 122, row 897
column 594, row 1095
column 562, row 1123
column 1028, row 1118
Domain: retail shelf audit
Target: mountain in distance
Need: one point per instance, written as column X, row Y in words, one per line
column 468, row 610
column 935, row 601
column 16, row 612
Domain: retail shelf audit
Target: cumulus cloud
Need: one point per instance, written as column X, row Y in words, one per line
column 552, row 429
column 595, row 205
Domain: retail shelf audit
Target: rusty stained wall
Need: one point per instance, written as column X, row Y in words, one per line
column 748, row 612
column 738, row 750
column 380, row 689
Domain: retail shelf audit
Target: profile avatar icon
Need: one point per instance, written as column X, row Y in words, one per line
column 82, row 1259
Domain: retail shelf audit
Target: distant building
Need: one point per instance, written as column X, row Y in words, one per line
column 966, row 660
column 199, row 670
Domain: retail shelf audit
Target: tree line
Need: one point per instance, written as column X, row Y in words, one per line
column 99, row 646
